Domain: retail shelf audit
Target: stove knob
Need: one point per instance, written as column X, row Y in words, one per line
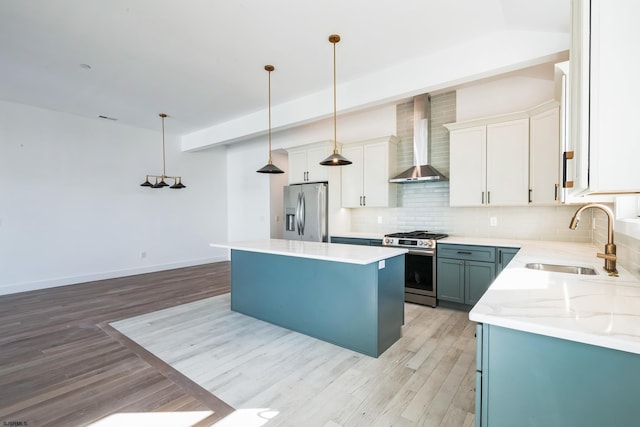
column 420, row 243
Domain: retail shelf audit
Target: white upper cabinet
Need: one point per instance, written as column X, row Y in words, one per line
column 544, row 145
column 489, row 162
column 604, row 93
column 304, row 163
column 508, row 163
column 468, row 165
column 366, row 181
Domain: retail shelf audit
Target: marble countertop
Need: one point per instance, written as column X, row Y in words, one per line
column 352, row 254
column 598, row 310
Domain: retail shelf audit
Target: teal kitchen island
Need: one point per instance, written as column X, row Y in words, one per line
column 343, row 294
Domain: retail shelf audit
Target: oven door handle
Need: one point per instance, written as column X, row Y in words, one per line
column 421, row 253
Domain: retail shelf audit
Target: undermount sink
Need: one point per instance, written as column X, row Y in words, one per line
column 573, row 269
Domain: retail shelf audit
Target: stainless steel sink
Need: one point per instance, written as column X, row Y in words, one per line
column 573, row 269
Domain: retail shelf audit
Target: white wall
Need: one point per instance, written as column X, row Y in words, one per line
column 517, row 91
column 72, row 209
column 248, row 191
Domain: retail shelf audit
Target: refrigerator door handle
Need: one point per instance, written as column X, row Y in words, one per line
column 302, row 213
column 298, row 215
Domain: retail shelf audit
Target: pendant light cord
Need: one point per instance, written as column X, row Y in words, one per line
column 335, row 132
column 164, row 164
column 269, row 69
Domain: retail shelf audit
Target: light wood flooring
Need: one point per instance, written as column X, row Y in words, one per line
column 63, row 364
column 426, row 378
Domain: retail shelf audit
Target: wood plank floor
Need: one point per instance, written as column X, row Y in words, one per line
column 424, row 379
column 61, row 363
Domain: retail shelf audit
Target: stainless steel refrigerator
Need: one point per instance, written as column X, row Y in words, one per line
column 305, row 212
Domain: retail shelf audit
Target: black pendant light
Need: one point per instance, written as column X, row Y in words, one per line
column 335, row 159
column 177, row 180
column 270, row 167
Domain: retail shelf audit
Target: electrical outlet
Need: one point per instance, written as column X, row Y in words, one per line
column 143, row 254
column 379, row 220
column 493, row 221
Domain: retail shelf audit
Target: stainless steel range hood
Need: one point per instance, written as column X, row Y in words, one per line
column 421, row 171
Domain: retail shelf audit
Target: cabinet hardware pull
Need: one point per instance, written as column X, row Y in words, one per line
column 364, row 200
column 483, row 197
column 567, row 155
column 530, row 190
column 464, row 253
column 500, row 256
column 555, row 197
column 488, row 197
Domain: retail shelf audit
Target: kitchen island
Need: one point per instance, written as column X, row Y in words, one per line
column 349, row 296
column 557, row 349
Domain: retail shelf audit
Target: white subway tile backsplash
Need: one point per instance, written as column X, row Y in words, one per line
column 425, row 206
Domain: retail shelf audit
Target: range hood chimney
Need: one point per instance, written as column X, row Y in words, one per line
column 421, row 171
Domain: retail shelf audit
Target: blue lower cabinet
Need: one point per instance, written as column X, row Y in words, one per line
column 534, row 380
column 464, row 272
column 505, row 255
column 478, row 277
column 359, row 307
column 450, row 279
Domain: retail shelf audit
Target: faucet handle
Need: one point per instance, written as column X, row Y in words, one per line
column 610, row 257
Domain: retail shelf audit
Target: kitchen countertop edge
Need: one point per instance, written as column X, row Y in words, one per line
column 597, row 310
column 351, row 254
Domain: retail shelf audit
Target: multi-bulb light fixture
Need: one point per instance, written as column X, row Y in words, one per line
column 177, row 180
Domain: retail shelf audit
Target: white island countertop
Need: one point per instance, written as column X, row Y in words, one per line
column 598, row 310
column 352, row 254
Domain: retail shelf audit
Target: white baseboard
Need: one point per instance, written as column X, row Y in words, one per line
column 13, row 288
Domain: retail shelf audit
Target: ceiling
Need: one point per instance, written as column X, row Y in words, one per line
column 202, row 61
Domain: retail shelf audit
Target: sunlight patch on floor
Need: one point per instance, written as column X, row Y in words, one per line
column 252, row 417
column 156, row 419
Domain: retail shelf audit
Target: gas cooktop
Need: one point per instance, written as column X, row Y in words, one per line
column 413, row 239
column 418, row 234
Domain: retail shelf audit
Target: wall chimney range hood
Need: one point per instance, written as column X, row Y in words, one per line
column 421, row 171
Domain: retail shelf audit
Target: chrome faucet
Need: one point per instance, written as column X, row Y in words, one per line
column 609, row 254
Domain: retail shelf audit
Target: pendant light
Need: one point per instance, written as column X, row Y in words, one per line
column 335, row 159
column 177, row 180
column 270, row 167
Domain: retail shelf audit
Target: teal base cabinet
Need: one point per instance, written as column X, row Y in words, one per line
column 359, row 307
column 464, row 273
column 505, row 255
column 526, row 379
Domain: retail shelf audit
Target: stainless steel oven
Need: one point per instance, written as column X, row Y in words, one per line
column 419, row 264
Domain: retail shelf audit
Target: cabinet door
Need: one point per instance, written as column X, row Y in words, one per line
column 505, row 255
column 352, row 176
column 450, row 280
column 535, row 380
column 297, row 166
column 544, row 168
column 467, row 184
column 375, row 177
column 478, row 277
column 508, row 163
column 614, row 90
column 317, row 172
